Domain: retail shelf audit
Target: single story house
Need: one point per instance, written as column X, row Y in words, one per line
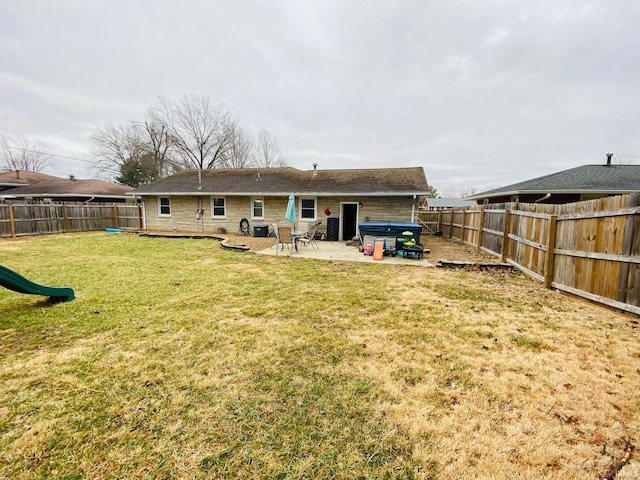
column 25, row 186
column 217, row 200
column 586, row 182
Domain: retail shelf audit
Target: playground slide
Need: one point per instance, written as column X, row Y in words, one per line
column 16, row 282
column 378, row 251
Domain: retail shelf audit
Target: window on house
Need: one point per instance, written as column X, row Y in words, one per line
column 218, row 208
column 257, row 208
column 308, row 208
column 164, row 207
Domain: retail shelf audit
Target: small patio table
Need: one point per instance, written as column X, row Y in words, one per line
column 416, row 250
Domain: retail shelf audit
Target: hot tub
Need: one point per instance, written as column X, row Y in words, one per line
column 389, row 229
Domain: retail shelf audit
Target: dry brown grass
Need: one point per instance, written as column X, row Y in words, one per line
column 180, row 360
column 512, row 380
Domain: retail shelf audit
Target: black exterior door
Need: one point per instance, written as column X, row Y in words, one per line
column 349, row 220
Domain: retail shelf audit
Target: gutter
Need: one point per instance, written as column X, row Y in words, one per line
column 280, row 194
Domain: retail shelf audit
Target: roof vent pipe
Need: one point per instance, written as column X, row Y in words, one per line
column 18, row 174
column 609, row 156
column 315, row 169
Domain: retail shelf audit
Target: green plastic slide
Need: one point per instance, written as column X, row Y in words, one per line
column 16, row 282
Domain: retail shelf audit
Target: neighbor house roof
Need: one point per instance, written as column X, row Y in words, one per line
column 286, row 180
column 60, row 187
column 17, row 178
column 596, row 179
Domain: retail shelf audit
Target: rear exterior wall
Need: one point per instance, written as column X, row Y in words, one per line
column 184, row 212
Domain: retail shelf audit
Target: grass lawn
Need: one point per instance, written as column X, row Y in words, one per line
column 178, row 359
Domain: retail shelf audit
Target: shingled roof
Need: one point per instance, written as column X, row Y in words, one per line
column 609, row 179
column 283, row 181
column 16, row 178
column 60, row 187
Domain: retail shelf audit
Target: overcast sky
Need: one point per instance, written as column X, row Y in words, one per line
column 481, row 93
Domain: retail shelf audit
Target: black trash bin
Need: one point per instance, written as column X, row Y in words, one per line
column 261, row 230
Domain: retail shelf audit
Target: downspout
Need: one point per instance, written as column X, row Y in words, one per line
column 200, row 214
column 542, row 199
column 413, row 209
column 144, row 214
column 90, row 200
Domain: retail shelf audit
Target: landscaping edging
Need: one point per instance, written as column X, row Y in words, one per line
column 223, row 240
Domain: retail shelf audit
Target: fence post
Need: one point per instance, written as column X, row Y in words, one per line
column 443, row 224
column 480, row 227
column 551, row 246
column 630, row 231
column 505, row 235
column 65, row 220
column 115, row 216
column 139, row 217
column 462, row 225
column 439, row 228
column 12, row 221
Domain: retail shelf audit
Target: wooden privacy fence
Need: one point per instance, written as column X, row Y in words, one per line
column 591, row 248
column 35, row 219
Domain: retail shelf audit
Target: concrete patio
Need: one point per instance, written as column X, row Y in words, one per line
column 339, row 251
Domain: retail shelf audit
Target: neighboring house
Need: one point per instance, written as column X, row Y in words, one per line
column 212, row 200
column 436, row 204
column 19, row 178
column 19, row 186
column 574, row 185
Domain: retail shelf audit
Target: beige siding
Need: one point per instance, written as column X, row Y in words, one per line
column 183, row 212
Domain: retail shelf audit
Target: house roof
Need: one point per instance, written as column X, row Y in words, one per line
column 16, row 178
column 610, row 179
column 60, row 187
column 283, row 181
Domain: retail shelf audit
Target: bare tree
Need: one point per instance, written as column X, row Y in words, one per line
column 187, row 133
column 240, row 152
column 158, row 148
column 115, row 145
column 459, row 192
column 199, row 132
column 268, row 153
column 468, row 191
column 141, row 146
column 21, row 153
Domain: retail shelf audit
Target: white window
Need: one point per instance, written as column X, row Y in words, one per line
column 164, row 207
column 308, row 208
column 257, row 208
column 218, row 208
